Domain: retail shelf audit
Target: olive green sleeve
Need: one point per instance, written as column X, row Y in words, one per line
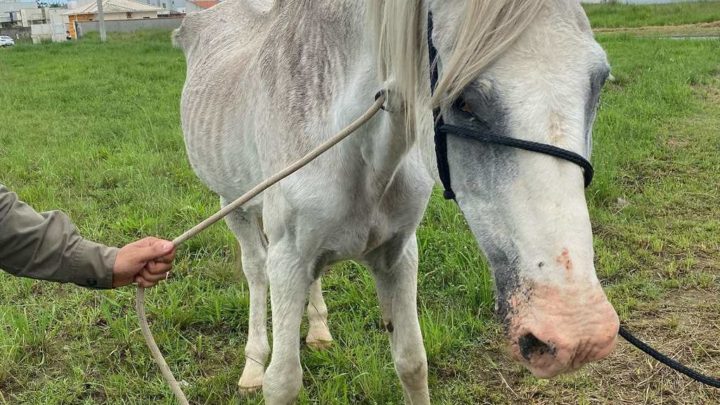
column 48, row 247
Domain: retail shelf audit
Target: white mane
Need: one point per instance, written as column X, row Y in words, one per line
column 488, row 29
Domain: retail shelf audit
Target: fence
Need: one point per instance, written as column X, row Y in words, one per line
column 16, row 32
column 636, row 1
column 129, row 25
column 54, row 32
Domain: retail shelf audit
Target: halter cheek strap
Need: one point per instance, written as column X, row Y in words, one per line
column 440, row 136
column 442, row 131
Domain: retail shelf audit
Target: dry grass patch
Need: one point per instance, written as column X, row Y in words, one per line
column 711, row 29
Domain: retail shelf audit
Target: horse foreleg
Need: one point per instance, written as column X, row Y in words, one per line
column 396, row 278
column 318, row 337
column 290, row 280
column 249, row 233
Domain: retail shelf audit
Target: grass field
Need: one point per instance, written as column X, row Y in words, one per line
column 94, row 130
column 623, row 15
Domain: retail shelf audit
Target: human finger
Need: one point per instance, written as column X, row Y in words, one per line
column 153, row 277
column 142, row 282
column 151, row 249
column 158, row 267
column 168, row 258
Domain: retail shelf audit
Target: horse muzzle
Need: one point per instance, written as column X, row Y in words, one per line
column 555, row 330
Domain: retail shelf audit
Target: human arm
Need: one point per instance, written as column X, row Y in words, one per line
column 48, row 247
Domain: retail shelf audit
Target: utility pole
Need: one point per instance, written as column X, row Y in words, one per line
column 101, row 16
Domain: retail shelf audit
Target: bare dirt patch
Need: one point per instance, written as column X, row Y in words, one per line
column 710, row 92
column 684, row 326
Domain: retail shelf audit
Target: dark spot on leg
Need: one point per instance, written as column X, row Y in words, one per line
column 541, row 265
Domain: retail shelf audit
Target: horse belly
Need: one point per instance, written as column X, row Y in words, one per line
column 220, row 147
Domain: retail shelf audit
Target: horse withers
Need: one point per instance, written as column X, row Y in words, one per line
column 269, row 80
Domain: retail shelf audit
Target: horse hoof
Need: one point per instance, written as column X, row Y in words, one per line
column 251, row 380
column 249, row 391
column 319, row 345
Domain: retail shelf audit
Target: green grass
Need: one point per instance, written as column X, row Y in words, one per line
column 623, row 15
column 94, row 130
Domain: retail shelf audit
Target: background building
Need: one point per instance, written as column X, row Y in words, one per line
column 199, row 5
column 114, row 10
column 10, row 11
column 169, row 6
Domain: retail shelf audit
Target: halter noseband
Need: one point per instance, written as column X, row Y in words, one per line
column 442, row 131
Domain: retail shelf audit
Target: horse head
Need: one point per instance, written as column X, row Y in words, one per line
column 531, row 71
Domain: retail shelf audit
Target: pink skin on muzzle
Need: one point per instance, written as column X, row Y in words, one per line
column 555, row 330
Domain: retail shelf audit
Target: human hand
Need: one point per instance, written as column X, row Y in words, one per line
column 144, row 262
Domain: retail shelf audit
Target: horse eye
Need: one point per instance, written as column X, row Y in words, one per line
column 463, row 105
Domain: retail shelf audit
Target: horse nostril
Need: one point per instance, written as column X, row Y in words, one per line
column 530, row 345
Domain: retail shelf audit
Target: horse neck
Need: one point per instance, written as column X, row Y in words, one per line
column 346, row 92
column 390, row 142
column 404, row 79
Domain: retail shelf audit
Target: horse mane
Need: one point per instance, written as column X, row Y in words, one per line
column 488, row 28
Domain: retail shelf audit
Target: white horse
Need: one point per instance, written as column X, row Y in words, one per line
column 269, row 80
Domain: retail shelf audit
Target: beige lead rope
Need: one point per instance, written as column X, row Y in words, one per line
column 140, row 300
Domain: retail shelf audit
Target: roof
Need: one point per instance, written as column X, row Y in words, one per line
column 113, row 6
column 205, row 4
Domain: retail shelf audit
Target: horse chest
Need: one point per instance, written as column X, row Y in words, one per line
column 396, row 213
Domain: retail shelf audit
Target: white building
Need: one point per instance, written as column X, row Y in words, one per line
column 48, row 25
column 170, row 6
column 10, row 11
column 35, row 16
column 113, row 10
